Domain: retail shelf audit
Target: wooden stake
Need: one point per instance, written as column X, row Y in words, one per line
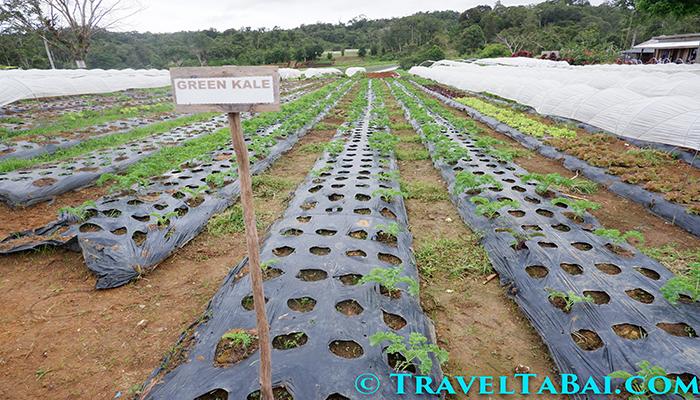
column 251, row 238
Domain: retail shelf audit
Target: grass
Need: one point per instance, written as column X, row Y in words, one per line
column 454, row 257
column 424, row 191
column 412, row 155
column 672, row 258
column 312, row 148
column 269, row 185
column 231, row 221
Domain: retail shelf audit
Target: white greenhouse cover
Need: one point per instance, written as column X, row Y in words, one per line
column 313, row 72
column 289, row 73
column 353, row 70
column 657, row 103
column 35, row 83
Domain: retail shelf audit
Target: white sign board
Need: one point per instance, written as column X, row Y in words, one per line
column 227, row 89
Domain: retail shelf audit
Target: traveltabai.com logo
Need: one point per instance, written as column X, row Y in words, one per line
column 369, row 384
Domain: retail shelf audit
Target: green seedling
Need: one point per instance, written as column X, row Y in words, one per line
column 419, row 349
column 616, row 237
column 387, row 175
column 571, row 298
column 389, row 194
column 81, row 211
column 486, row 142
column 578, row 207
column 644, row 376
column 238, row 338
column 504, row 154
column 219, row 178
column 393, row 229
column 162, row 220
column 319, row 172
column 546, row 181
column 488, row 208
column 389, row 278
column 124, row 182
column 194, row 192
column 385, row 142
column 266, row 264
column 521, row 237
column 450, row 152
column 467, row 182
column 335, row 147
column 683, row 285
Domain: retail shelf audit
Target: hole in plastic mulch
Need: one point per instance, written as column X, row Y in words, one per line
column 610, row 269
column 291, row 232
column 289, row 341
column 350, row 279
column 220, row 394
column 301, row 304
column 571, row 269
column 346, row 348
column 283, row 251
column 536, row 271
column 355, row 253
column 349, row 308
column 640, row 295
column 629, row 331
column 390, row 258
column 587, row 340
column 278, row 393
column 599, row 298
column 248, row 303
column 312, row 275
column 320, row 251
column 649, row 273
column 393, row 321
column 680, row 329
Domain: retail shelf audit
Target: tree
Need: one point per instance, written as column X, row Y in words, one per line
column 67, row 24
column 362, row 51
column 661, row 8
column 435, row 53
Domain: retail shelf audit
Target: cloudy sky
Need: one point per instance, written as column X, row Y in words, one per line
column 188, row 15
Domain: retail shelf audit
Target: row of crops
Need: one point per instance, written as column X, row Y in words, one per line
column 341, row 280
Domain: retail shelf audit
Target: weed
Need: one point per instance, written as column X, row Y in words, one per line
column 312, row 148
column 335, row 147
column 389, row 278
column 238, row 338
column 616, row 237
column 454, row 256
column 419, row 349
column 266, row 264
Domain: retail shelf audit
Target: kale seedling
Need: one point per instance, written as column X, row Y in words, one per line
column 571, row 298
column 162, row 220
column 467, row 182
column 389, row 194
column 81, row 211
column 616, row 237
column 578, row 207
column 489, row 209
column 680, row 284
column 389, row 278
column 641, row 386
column 419, row 349
column 546, row 181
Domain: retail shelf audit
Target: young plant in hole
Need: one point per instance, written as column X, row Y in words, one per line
column 578, row 207
column 682, row 285
column 219, row 178
column 450, row 152
column 468, row 182
column 81, row 211
column 486, row 142
column 385, row 142
column 570, row 298
column 521, row 237
column 124, row 182
column 647, row 373
column 504, row 154
column 388, row 194
column 387, row 175
column 389, row 278
column 546, row 181
column 266, row 264
column 194, row 192
column 419, row 349
column 318, row 172
column 335, row 147
column 616, row 237
column 163, row 219
column 238, row 338
column 393, row 229
column 489, row 209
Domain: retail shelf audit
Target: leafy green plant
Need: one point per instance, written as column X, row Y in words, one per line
column 570, row 298
column 219, row 178
column 388, row 194
column 238, row 337
column 418, row 349
column 81, row 211
column 521, row 237
column 486, row 142
column 319, row 172
column 683, row 285
column 546, row 181
column 393, row 229
column 504, row 154
column 266, row 264
column 469, row 182
column 194, row 192
column 578, row 207
column 616, row 237
column 488, row 208
column 385, row 142
column 388, row 175
column 162, row 220
column 450, row 152
column 389, row 278
column 335, row 147
column 641, row 386
column 123, row 181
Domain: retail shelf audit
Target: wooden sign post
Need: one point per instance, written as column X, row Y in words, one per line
column 234, row 90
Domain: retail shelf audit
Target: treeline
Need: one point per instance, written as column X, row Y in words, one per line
column 483, row 31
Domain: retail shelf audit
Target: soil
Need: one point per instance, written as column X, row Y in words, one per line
column 346, row 348
column 230, row 353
